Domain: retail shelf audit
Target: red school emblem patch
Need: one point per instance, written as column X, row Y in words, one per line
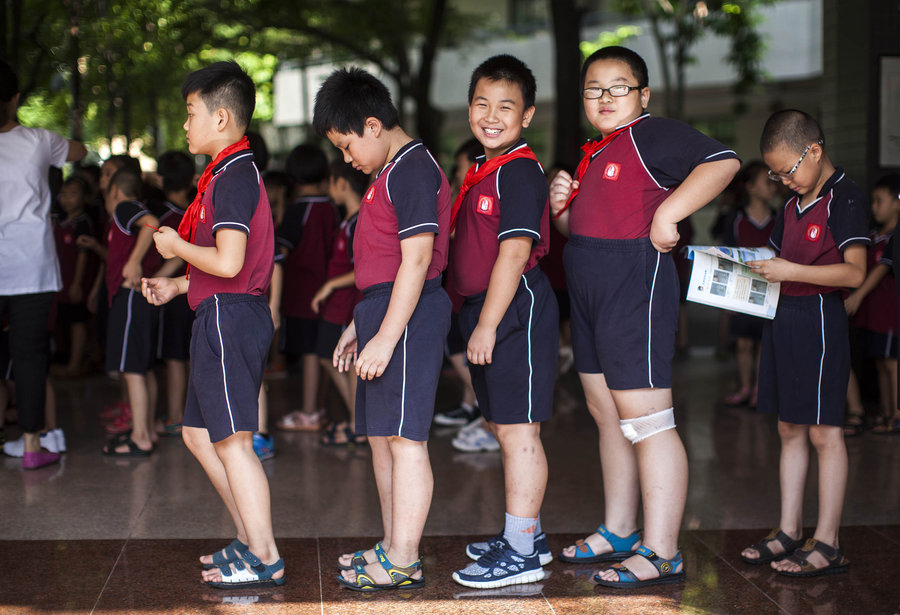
column 813, row 232
column 370, row 194
column 611, row 172
column 485, row 205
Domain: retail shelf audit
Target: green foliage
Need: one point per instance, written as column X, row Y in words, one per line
column 609, row 38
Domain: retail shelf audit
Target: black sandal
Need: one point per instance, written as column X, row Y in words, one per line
column 765, row 553
column 351, row 438
column 837, row 563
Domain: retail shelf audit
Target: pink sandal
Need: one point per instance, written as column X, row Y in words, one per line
column 739, row 398
column 301, row 421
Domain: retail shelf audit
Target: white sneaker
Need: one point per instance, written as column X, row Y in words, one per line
column 54, row 441
column 475, row 440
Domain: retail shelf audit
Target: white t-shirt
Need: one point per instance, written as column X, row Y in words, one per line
column 28, row 262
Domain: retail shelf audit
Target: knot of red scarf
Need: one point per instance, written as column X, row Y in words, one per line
column 477, row 173
column 590, row 148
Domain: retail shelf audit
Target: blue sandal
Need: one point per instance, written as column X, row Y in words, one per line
column 232, row 552
column 358, row 559
column 665, row 567
column 623, row 548
column 401, row 576
column 248, row 571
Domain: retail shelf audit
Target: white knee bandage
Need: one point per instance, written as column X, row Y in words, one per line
column 643, row 427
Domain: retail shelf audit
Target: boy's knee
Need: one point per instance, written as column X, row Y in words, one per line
column 516, row 432
column 789, row 431
column 826, row 436
column 639, row 429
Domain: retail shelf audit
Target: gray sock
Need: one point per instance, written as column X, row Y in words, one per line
column 519, row 533
column 537, row 526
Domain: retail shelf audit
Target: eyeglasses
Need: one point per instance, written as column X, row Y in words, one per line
column 782, row 177
column 614, row 90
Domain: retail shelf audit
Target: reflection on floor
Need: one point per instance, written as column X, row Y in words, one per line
column 110, row 536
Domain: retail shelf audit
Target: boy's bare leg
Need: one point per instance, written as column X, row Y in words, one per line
column 832, row 455
column 663, row 471
column 78, row 344
column 152, row 397
column 792, row 477
column 383, row 464
column 412, row 484
column 139, row 399
column 524, row 467
column 250, row 491
column 745, row 358
column 310, row 364
column 198, row 442
column 176, row 372
column 618, row 465
column 459, row 366
column 340, row 380
column 263, row 401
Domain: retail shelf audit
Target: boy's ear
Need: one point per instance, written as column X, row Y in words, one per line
column 223, row 118
column 373, row 125
column 645, row 97
column 526, row 117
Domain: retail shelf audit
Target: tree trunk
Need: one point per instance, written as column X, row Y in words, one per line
column 566, row 18
column 76, row 114
column 428, row 117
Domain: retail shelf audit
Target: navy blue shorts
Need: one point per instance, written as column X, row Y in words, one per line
column 300, row 336
column 328, row 336
column 401, row 401
column 746, row 326
column 456, row 343
column 175, row 321
column 229, row 347
column 517, row 387
column 804, row 362
column 131, row 333
column 624, row 297
column 881, row 345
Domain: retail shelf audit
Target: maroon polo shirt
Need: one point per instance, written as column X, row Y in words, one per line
column 338, row 307
column 748, row 233
column 879, row 308
column 307, row 231
column 121, row 238
column 66, row 233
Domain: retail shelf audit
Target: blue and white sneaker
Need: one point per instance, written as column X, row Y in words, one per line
column 263, row 446
column 499, row 567
column 476, row 549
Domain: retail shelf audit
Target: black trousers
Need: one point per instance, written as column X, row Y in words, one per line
column 29, row 349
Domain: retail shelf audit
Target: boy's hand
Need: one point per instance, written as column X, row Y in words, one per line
column 276, row 316
column 374, row 358
column 481, row 345
column 166, row 238
column 76, row 294
column 131, row 274
column 663, row 235
column 345, row 351
column 773, row 270
column 852, row 303
column 158, row 291
column 87, row 242
column 92, row 300
column 321, row 295
column 560, row 189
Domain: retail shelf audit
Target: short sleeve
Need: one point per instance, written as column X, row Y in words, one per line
column 235, row 198
column 290, row 230
column 777, row 235
column 670, row 149
column 887, row 256
column 351, row 233
column 127, row 215
column 58, row 148
column 523, row 199
column 848, row 218
column 413, row 186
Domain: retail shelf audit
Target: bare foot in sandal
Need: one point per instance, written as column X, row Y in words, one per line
column 345, row 561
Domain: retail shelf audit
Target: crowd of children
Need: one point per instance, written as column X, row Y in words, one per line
column 381, row 269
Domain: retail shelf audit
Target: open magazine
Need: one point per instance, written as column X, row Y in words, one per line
column 720, row 278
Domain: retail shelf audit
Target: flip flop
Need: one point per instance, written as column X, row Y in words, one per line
column 133, row 449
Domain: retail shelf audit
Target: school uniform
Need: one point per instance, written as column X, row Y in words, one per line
column 132, row 321
column 336, row 311
column 624, row 294
column 66, row 233
column 805, row 354
column 175, row 317
column 880, row 306
column 410, row 196
column 748, row 233
column 233, row 327
column 511, row 201
column 307, row 234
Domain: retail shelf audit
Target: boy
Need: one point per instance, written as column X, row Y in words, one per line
column 132, row 323
column 874, row 304
column 633, row 187
column 226, row 238
column 335, row 300
column 821, row 238
column 510, row 319
column 398, row 329
column 306, row 235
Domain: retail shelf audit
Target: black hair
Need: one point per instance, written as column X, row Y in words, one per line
column 792, row 128
column 279, row 179
column 128, row 182
column 307, row 164
column 91, row 170
column 223, row 85
column 79, row 181
column 890, row 182
column 123, row 161
column 358, row 180
column 508, row 68
column 751, row 171
column 177, row 171
column 471, row 148
column 9, row 82
column 622, row 54
column 349, row 96
column 259, row 148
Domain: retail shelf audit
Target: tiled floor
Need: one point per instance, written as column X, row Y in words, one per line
column 109, row 536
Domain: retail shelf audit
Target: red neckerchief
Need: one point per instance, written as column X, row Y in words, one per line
column 191, row 218
column 590, row 148
column 477, row 173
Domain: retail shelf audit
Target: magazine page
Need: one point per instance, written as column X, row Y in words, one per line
column 720, row 278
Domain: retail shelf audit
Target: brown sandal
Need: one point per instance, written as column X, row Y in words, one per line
column 837, row 563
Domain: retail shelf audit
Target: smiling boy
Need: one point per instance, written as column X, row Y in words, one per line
column 510, row 318
column 227, row 239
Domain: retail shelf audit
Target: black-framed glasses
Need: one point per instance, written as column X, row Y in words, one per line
column 782, row 177
column 616, row 91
